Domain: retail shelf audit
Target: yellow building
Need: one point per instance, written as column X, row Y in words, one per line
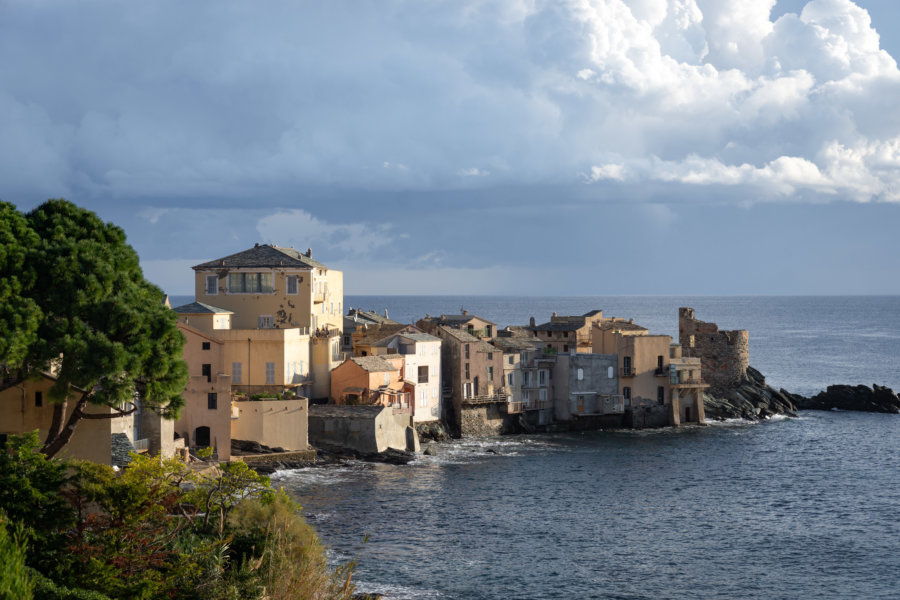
column 651, row 369
column 268, row 287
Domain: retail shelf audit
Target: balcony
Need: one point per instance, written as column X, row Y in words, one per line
column 538, row 404
column 684, row 381
column 485, row 399
column 661, row 372
column 627, row 372
column 514, row 407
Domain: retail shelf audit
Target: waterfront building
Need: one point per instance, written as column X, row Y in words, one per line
column 358, row 318
column 472, row 375
column 372, row 381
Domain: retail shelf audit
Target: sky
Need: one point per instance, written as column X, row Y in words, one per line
column 521, row 147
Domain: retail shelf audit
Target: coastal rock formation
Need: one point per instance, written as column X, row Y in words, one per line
column 751, row 399
column 853, row 397
column 433, row 431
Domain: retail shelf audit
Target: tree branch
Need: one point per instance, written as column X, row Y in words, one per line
column 118, row 412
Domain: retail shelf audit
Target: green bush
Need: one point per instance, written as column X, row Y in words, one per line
column 14, row 580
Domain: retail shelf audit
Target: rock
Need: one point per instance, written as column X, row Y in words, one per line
column 491, row 451
column 434, row 431
column 390, row 456
column 853, row 398
column 430, row 450
column 752, row 399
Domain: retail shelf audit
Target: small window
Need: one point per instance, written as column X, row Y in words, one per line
column 205, row 345
column 265, row 322
column 39, row 399
column 467, row 370
column 236, row 372
column 626, row 393
column 387, row 379
column 565, row 347
column 509, row 379
column 423, row 374
column 206, row 371
column 660, row 394
column 467, row 351
column 212, row 400
column 490, row 356
column 610, row 373
column 580, row 374
column 511, row 359
column 490, row 373
column 270, row 373
column 565, row 334
column 212, row 285
column 291, row 284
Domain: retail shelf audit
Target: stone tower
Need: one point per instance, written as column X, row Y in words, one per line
column 724, row 355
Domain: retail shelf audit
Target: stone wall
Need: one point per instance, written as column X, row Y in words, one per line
column 481, row 420
column 724, row 355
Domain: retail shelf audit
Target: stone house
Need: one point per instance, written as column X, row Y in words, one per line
column 421, row 354
column 586, row 385
column 357, row 318
column 472, row 375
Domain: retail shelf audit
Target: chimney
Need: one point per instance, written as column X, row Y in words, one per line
column 385, row 314
column 531, row 322
column 256, row 245
column 465, row 312
column 309, row 252
column 554, row 315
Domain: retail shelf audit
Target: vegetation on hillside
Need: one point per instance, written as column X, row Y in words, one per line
column 83, row 531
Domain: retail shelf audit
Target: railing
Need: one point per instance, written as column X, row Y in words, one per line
column 514, row 407
column 661, row 372
column 486, row 398
column 141, row 446
column 538, row 404
column 689, row 381
column 627, row 372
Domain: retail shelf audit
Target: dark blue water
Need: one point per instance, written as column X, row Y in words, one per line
column 795, row 508
column 791, row 508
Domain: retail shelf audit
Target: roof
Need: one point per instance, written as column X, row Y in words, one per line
column 369, row 315
column 420, row 337
column 371, row 335
column 198, row 308
column 264, row 255
column 620, row 326
column 570, row 324
column 455, row 319
column 466, row 338
column 373, row 364
column 514, row 344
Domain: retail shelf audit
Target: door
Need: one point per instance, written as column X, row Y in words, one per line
column 687, row 414
column 201, row 437
column 476, row 386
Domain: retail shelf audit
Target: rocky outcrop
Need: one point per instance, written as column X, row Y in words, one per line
column 853, row 397
column 752, row 399
column 433, row 431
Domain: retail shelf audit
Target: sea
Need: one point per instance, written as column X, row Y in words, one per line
column 805, row 507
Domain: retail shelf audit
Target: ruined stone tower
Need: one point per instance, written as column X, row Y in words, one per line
column 724, row 355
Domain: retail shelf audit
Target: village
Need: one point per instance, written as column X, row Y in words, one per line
column 276, row 362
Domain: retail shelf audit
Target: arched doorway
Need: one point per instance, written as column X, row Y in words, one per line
column 201, row 437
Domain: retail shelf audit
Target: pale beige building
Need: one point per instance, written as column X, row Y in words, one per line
column 27, row 407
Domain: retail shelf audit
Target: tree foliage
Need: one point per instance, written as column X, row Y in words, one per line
column 143, row 533
column 87, row 314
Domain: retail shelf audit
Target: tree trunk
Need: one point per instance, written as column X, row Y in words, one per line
column 59, row 412
column 55, row 443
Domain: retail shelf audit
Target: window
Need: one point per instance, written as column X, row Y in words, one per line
column 660, row 394
column 235, row 372
column 212, row 285
column 565, row 334
column 542, row 377
column 265, row 322
column 467, row 370
column 580, row 374
column 490, row 356
column 511, row 359
column 423, row 374
column 509, row 379
column 659, row 364
column 433, row 393
column 487, row 330
column 490, row 373
column 387, row 379
column 249, row 283
column 205, row 345
column 467, row 390
column 542, row 394
column 291, row 284
column 610, row 373
column 565, row 347
column 467, row 351
column 206, row 371
column 626, row 365
column 270, row 373
column 626, row 393
column 212, row 400
column 39, row 399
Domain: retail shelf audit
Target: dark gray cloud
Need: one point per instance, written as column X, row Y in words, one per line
column 486, row 142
